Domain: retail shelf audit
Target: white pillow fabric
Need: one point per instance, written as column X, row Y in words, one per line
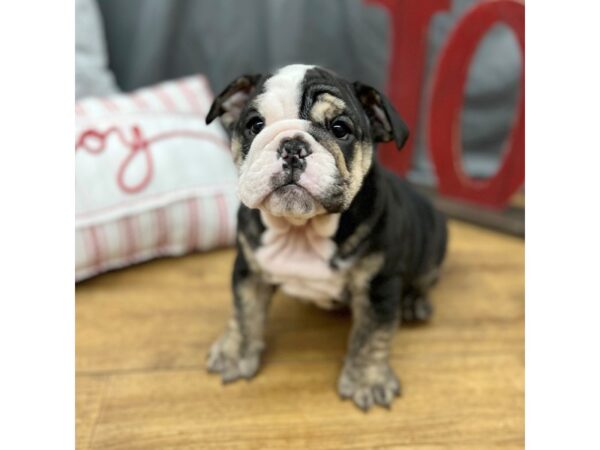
column 152, row 179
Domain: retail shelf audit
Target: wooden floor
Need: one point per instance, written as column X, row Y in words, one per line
column 142, row 336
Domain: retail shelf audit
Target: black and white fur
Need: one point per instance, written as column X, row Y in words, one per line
column 304, row 142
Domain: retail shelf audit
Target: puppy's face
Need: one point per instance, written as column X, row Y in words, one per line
column 303, row 138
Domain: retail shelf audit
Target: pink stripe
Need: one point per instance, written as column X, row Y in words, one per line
column 102, row 244
column 190, row 96
column 166, row 100
column 122, row 238
column 223, row 219
column 87, row 244
column 162, row 235
column 109, row 105
column 193, row 224
column 139, row 101
column 95, row 247
column 127, row 231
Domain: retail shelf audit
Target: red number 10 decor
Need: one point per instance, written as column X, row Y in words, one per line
column 410, row 20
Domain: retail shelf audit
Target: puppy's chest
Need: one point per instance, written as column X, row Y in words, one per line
column 297, row 258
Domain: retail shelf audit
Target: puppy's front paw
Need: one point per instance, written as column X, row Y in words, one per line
column 227, row 358
column 367, row 385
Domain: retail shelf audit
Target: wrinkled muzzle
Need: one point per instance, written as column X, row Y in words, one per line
column 286, row 171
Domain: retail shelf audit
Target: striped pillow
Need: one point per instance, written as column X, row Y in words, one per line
column 152, row 179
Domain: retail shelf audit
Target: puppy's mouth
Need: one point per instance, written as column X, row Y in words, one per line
column 291, row 189
column 292, row 201
column 292, row 192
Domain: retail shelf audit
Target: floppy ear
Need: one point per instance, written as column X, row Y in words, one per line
column 229, row 104
column 386, row 124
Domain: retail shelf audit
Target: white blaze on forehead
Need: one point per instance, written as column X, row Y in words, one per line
column 282, row 94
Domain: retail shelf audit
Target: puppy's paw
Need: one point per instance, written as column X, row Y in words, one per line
column 369, row 385
column 416, row 309
column 226, row 357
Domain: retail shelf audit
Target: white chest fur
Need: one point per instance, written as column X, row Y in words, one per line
column 296, row 257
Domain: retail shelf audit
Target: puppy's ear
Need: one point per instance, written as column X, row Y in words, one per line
column 229, row 104
column 386, row 124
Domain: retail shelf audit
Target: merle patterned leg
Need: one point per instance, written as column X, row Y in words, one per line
column 367, row 378
column 236, row 353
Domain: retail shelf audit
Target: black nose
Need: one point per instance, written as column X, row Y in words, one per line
column 293, row 152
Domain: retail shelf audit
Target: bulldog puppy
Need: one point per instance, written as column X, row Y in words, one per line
column 323, row 221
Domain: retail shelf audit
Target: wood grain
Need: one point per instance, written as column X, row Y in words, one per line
column 142, row 336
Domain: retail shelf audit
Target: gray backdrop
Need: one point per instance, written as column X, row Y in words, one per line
column 153, row 40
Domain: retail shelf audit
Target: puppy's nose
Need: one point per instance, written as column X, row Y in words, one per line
column 293, row 152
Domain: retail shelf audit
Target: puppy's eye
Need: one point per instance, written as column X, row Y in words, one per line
column 340, row 129
column 255, row 125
